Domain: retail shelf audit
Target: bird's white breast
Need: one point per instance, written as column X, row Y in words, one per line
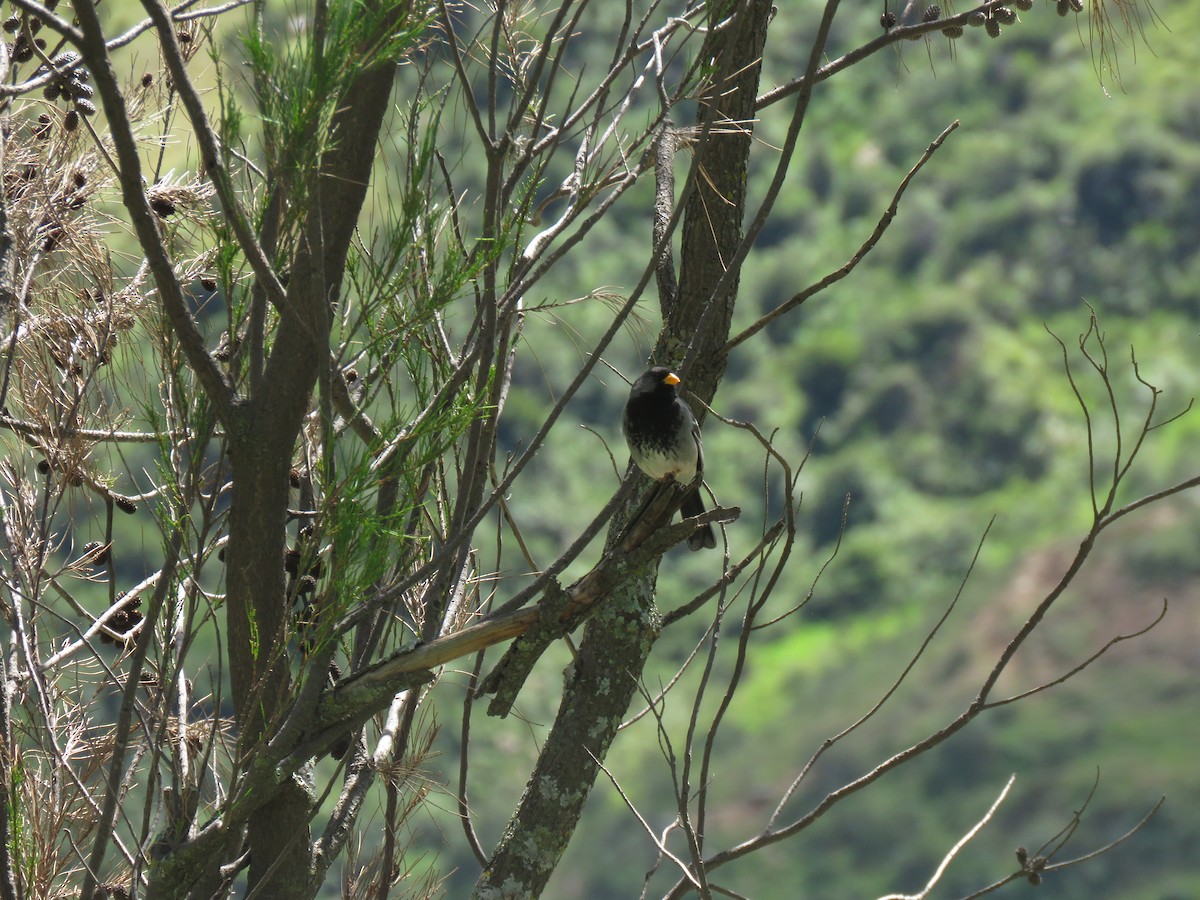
column 659, row 465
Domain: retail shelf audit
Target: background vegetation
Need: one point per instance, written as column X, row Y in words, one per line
column 931, row 392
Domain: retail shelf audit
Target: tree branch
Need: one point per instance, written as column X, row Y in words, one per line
column 834, row 277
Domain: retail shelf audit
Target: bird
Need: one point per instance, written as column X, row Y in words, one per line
column 664, row 441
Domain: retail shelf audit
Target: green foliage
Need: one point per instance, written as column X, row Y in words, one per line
column 298, row 84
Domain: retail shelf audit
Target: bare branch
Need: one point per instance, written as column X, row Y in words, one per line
column 954, row 851
column 661, row 845
column 832, row 278
column 1075, row 670
column 888, row 694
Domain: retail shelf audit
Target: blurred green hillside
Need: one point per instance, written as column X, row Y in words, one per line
column 926, row 400
column 932, row 394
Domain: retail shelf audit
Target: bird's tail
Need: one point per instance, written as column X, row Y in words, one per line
column 693, row 505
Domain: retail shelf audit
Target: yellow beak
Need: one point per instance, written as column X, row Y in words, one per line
column 671, row 378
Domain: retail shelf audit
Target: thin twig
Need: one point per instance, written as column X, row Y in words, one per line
column 1075, row 670
column 954, row 851
column 837, row 275
column 890, row 692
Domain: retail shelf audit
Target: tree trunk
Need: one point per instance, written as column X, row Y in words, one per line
column 261, row 455
column 618, row 639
